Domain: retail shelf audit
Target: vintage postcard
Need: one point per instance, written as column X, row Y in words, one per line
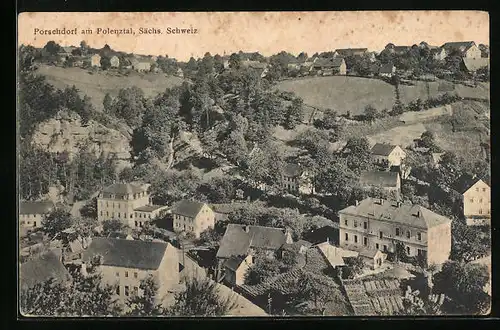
column 265, row 164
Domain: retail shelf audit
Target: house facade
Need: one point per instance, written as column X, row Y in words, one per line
column 142, row 66
column 95, row 60
column 476, row 201
column 377, row 224
column 124, row 265
column 115, row 62
column 387, row 154
column 129, row 203
column 296, row 180
column 236, row 268
column 192, row 217
column 388, row 181
column 31, row 214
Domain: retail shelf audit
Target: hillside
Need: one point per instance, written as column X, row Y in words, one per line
column 96, row 85
column 342, row 93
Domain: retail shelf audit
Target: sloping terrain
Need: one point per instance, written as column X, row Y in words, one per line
column 96, row 85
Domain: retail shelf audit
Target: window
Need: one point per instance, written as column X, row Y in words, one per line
column 484, row 189
column 385, row 248
column 34, row 222
column 408, row 250
column 480, row 211
column 135, row 274
column 477, row 189
column 107, row 213
column 346, row 236
column 345, row 222
column 101, row 213
column 118, row 290
column 365, row 225
column 136, row 214
column 117, row 274
column 126, row 274
column 126, row 290
column 131, row 217
column 408, row 234
column 140, row 215
column 118, row 214
column 365, row 241
column 397, row 231
column 125, row 215
column 419, row 236
column 381, row 234
column 118, row 205
column 355, row 223
column 377, row 246
column 136, row 224
column 355, row 238
column 113, row 214
column 420, row 252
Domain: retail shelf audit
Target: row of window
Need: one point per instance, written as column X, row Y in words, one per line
column 28, row 215
column 381, row 234
column 420, row 252
column 137, row 215
column 126, row 290
column 178, row 217
column 126, row 274
column 123, row 197
column 480, row 200
column 178, row 225
column 477, row 189
column 28, row 223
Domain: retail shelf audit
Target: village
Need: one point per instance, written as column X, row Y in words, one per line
column 328, row 222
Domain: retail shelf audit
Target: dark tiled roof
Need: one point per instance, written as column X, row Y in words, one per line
column 234, row 262
column 187, row 208
column 123, row 189
column 382, row 149
column 148, row 208
column 351, row 51
column 461, row 46
column 389, row 211
column 41, row 269
column 328, row 63
column 36, row 207
column 292, row 170
column 127, row 253
column 237, row 242
column 464, row 182
column 379, row 178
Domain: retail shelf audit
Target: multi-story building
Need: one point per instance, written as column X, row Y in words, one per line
column 114, row 61
column 124, row 263
column 387, row 154
column 381, row 224
column 95, row 60
column 129, row 203
column 31, row 214
column 295, row 179
column 192, row 217
column 476, row 199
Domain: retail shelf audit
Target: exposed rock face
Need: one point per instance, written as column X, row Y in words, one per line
column 66, row 133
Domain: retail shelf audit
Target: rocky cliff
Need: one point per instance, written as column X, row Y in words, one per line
column 66, row 133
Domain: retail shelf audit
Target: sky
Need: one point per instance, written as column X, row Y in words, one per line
column 265, row 32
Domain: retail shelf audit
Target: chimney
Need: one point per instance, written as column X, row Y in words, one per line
column 418, row 214
column 381, row 201
column 398, row 204
column 356, row 202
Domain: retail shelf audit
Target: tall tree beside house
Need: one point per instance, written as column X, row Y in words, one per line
column 464, row 284
column 206, row 65
column 112, row 226
column 173, row 186
column 89, row 210
column 218, row 189
column 358, row 156
column 85, row 296
column 235, row 61
column 56, row 221
column 146, row 304
column 371, row 113
column 201, row 297
column 105, row 62
column 468, row 242
column 354, row 266
column 294, row 113
column 52, row 48
column 264, row 268
column 130, row 105
column 313, row 288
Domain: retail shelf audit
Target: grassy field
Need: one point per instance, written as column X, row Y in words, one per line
column 96, row 85
column 341, row 93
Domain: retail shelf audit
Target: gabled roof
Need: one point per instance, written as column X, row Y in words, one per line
column 382, row 149
column 237, row 242
column 351, row 51
column 465, row 182
column 329, row 63
column 386, row 68
column 43, row 207
column 379, row 178
column 461, row 46
column 390, row 211
column 187, row 208
column 127, row 253
column 335, row 255
column 123, row 189
column 148, row 208
column 234, row 262
column 292, row 170
column 41, row 269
